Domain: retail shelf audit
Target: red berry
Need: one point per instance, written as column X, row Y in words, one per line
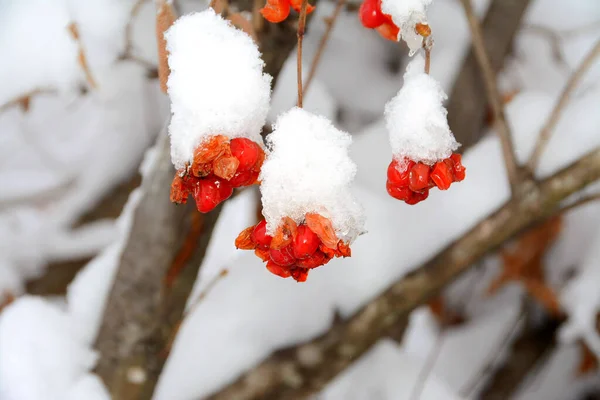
column 241, row 178
column 398, row 192
column 259, row 235
column 276, row 10
column 299, row 274
column 305, row 243
column 316, row 260
column 246, row 151
column 418, row 197
column 207, row 195
column 459, row 169
column 370, row 14
column 398, row 176
column 283, row 257
column 419, row 177
column 225, row 189
column 278, row 270
column 180, row 188
column 441, row 175
column 388, row 30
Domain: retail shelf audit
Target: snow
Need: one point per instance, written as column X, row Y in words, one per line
column 216, row 84
column 417, row 120
column 581, row 300
column 308, row 170
column 406, row 14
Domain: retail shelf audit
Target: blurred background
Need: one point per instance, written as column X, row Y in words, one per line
column 81, row 112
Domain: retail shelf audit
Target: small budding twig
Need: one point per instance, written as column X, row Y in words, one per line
column 300, row 34
column 330, row 22
column 494, row 97
column 556, row 113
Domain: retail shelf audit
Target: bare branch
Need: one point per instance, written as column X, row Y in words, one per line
column 489, row 76
column 300, row 34
column 468, row 107
column 288, row 375
column 579, row 202
column 330, row 22
column 556, row 113
column 165, row 16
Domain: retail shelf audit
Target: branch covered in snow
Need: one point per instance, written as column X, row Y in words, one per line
column 307, row 368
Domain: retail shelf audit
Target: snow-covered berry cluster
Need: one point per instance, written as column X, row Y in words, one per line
column 294, row 249
column 310, row 213
column 422, row 144
column 219, row 165
column 410, row 181
column 278, row 10
column 395, row 20
column 216, row 144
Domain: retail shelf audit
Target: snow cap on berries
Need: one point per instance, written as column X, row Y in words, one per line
column 406, row 14
column 216, row 85
column 308, row 170
column 417, row 120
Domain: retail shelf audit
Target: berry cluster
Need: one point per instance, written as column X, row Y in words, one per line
column 372, row 17
column 219, row 166
column 278, row 10
column 410, row 181
column 294, row 249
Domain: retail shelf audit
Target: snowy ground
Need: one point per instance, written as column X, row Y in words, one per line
column 59, row 157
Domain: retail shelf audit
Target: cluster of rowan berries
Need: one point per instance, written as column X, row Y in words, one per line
column 294, row 249
column 410, row 181
column 219, row 165
column 278, row 10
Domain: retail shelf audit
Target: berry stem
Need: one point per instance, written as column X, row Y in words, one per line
column 427, row 45
column 300, row 34
column 330, row 22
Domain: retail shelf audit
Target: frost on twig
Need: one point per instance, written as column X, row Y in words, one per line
column 406, row 14
column 308, row 170
column 217, row 85
column 417, row 120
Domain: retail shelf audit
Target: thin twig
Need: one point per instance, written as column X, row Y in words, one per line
column 556, row 113
column 493, row 95
column 81, row 57
column 580, row 202
column 427, row 367
column 300, row 34
column 258, row 22
column 494, row 356
column 165, row 17
column 427, row 45
column 330, row 22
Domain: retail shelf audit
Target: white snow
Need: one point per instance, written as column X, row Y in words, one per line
column 406, row 14
column 417, row 120
column 581, row 301
column 216, row 84
column 308, row 170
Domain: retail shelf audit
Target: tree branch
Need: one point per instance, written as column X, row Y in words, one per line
column 493, row 95
column 289, row 375
column 300, row 34
column 467, row 107
column 556, row 113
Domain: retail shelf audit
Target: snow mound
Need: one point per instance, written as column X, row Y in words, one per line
column 308, row 169
column 216, row 84
column 417, row 120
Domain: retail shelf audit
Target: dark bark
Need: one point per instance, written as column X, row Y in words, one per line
column 468, row 106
